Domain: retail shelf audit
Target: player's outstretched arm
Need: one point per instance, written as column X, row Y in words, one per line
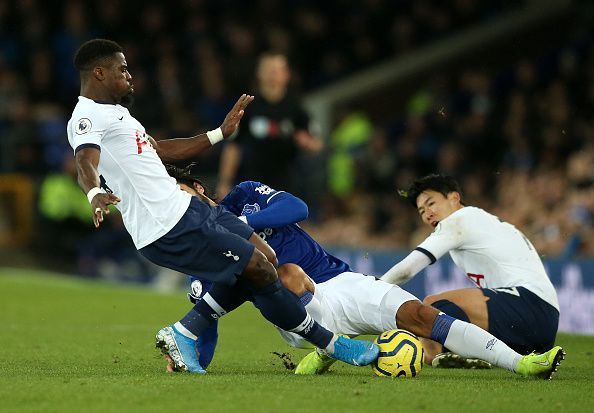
column 407, row 268
column 283, row 209
column 179, row 149
column 87, row 160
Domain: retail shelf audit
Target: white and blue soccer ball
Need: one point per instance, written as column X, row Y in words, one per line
column 401, row 354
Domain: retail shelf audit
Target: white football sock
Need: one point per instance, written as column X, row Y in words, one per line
column 470, row 341
column 315, row 310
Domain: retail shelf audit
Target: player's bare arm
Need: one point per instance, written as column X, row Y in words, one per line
column 179, row 149
column 87, row 160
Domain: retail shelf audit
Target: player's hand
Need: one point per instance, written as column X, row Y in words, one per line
column 100, row 205
column 231, row 122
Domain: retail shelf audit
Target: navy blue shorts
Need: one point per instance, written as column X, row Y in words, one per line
column 207, row 241
column 521, row 319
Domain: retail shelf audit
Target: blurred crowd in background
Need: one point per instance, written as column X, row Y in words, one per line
column 519, row 137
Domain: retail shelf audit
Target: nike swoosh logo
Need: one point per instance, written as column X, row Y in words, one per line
column 121, row 118
column 542, row 363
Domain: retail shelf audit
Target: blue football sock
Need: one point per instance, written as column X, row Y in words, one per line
column 306, row 298
column 218, row 301
column 195, row 323
column 441, row 327
column 283, row 308
column 207, row 342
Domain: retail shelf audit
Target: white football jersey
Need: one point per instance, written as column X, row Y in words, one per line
column 493, row 253
column 152, row 203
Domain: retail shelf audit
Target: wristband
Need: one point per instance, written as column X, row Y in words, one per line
column 215, row 135
column 91, row 194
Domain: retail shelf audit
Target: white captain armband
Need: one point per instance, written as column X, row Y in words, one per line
column 91, row 194
column 215, row 136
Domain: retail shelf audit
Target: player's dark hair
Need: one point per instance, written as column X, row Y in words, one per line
column 187, row 175
column 94, row 52
column 444, row 184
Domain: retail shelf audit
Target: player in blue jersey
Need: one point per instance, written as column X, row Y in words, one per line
column 344, row 301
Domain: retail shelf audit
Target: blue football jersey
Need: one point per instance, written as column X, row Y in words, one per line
column 280, row 229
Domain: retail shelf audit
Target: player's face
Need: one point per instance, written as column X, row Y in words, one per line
column 434, row 206
column 274, row 71
column 190, row 190
column 117, row 78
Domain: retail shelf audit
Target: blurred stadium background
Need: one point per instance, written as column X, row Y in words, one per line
column 498, row 93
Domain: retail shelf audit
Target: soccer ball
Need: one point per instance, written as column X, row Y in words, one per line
column 401, row 354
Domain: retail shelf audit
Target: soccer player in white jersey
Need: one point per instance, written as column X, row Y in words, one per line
column 118, row 163
column 345, row 301
column 515, row 300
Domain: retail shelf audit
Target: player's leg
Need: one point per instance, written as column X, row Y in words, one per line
column 200, row 245
column 353, row 304
column 294, row 279
column 297, row 281
column 469, row 340
column 278, row 305
column 468, row 304
column 284, row 309
column 515, row 315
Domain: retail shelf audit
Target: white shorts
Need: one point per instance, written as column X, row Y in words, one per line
column 355, row 304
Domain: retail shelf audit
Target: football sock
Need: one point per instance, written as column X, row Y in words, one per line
column 207, row 342
column 306, row 298
column 218, row 301
column 313, row 306
column 282, row 308
column 468, row 340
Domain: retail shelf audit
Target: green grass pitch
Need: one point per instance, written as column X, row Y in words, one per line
column 70, row 345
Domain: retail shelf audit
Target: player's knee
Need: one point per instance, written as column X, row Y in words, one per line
column 416, row 317
column 293, row 278
column 259, row 271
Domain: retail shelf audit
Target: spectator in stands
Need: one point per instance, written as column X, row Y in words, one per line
column 273, row 132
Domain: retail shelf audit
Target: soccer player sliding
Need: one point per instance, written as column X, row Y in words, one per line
column 345, row 301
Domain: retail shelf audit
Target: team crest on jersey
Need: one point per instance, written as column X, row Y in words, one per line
column 250, row 209
column 82, row 126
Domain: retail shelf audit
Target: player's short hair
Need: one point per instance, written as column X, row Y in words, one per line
column 444, row 184
column 187, row 175
column 94, row 52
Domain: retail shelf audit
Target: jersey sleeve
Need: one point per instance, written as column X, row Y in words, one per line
column 448, row 235
column 274, row 208
column 87, row 131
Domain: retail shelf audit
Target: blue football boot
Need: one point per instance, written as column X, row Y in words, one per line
column 355, row 352
column 181, row 350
